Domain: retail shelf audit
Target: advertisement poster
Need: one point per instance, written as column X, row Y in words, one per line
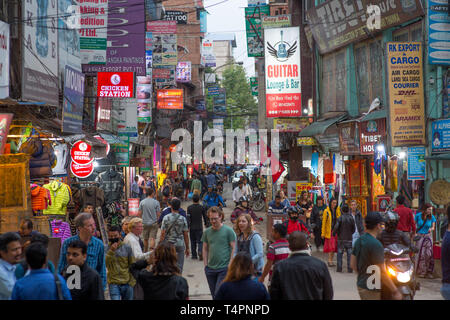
column 149, row 54
column 253, row 16
column 93, row 35
column 439, row 31
column 73, row 101
column 208, row 57
column 122, row 151
column 164, row 49
column 254, row 86
column 440, row 131
column 334, row 24
column 115, row 84
column 349, row 138
column 371, row 133
column 280, row 21
column 282, row 66
column 144, row 99
column 184, row 71
column 5, row 122
column 4, row 60
column 416, row 163
column 292, row 190
column 406, row 93
column 164, row 75
column 290, row 125
column 40, row 52
column 171, row 99
column 302, row 186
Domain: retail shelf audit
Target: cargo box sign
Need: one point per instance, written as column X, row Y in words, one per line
column 115, row 84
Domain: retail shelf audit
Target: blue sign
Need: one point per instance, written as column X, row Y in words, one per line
column 213, row 91
column 73, row 100
column 440, row 131
column 220, row 105
column 439, row 32
column 203, row 24
column 416, row 163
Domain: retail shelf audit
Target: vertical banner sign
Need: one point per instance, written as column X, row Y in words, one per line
column 203, row 21
column 439, row 32
column 282, row 66
column 40, row 52
column 440, row 131
column 128, row 123
column 406, row 95
column 253, row 16
column 208, row 57
column 220, row 104
column 416, row 163
column 122, row 151
column 4, row 60
column 5, row 122
column 254, row 86
column 371, row 133
column 93, row 34
column 144, row 96
column 148, row 53
column 184, row 71
column 73, row 101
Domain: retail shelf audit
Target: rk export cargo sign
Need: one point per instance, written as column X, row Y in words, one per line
column 282, row 66
column 170, row 99
column 115, row 84
column 406, row 93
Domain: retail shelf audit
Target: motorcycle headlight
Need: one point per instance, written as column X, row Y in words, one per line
column 392, row 272
column 404, row 277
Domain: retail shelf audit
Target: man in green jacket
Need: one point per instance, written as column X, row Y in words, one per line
column 118, row 259
column 196, row 185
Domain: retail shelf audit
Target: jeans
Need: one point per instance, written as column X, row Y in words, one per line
column 445, row 291
column 180, row 257
column 343, row 246
column 196, row 242
column 215, row 278
column 118, row 291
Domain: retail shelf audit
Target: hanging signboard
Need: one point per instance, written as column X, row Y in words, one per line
column 280, row 21
column 440, row 131
column 254, row 86
column 170, row 99
column 73, row 101
column 148, row 53
column 4, row 60
column 290, row 125
column 122, row 151
column 179, row 16
column 203, row 21
column 372, row 132
column 438, row 31
column 133, row 207
column 406, row 93
column 253, row 16
column 208, row 57
column 213, row 91
column 81, row 171
column 184, row 71
column 81, row 153
column 349, row 138
column 416, row 163
column 115, row 84
column 256, row 3
column 282, row 66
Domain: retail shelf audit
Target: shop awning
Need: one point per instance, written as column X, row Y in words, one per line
column 379, row 114
column 443, row 156
column 319, row 127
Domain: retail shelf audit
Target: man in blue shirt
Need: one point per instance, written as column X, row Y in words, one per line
column 95, row 252
column 10, row 252
column 40, row 283
column 212, row 199
column 211, row 179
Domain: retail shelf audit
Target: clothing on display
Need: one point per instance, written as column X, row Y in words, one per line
column 42, row 157
column 356, row 182
column 90, row 195
column 40, row 198
column 62, row 159
column 112, row 184
column 60, row 196
column 60, row 229
column 329, row 176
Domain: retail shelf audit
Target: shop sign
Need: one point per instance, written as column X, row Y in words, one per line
column 372, row 133
column 115, row 84
column 440, row 131
column 122, row 151
column 336, row 23
column 133, row 207
column 213, row 91
column 406, row 93
column 302, row 186
column 282, row 66
column 416, row 163
column 81, row 153
column 253, row 28
column 179, row 16
column 306, row 141
column 438, row 31
column 164, row 49
column 280, row 21
column 208, row 57
column 162, row 27
column 292, row 190
column 73, row 101
column 4, row 60
column 290, row 125
column 203, row 21
column 81, row 171
column 349, row 138
column 170, row 99
column 254, row 86
column 5, row 122
column 184, row 71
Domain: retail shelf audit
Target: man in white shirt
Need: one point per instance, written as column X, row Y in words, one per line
column 238, row 192
column 132, row 239
column 247, row 189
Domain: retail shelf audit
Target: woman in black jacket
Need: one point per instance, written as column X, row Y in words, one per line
column 163, row 281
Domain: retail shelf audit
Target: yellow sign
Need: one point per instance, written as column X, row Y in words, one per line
column 306, row 141
column 406, row 93
column 302, row 186
column 290, row 125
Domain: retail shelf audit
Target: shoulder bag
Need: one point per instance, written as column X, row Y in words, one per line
column 169, row 229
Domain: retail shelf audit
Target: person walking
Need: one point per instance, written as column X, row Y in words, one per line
column 118, row 259
column 195, row 213
column 316, row 221
column 445, row 260
column 249, row 241
column 196, row 185
column 344, row 229
column 367, row 253
column 135, row 228
column 40, row 284
column 135, row 190
column 330, row 216
column 406, row 217
column 301, row 276
column 95, row 249
column 219, row 242
column 164, row 280
column 149, row 211
column 238, row 283
column 174, row 229
column 90, row 286
column 426, row 223
column 359, row 224
column 10, row 253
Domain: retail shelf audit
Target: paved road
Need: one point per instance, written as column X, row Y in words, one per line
column 344, row 284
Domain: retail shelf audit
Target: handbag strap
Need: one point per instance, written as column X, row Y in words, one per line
column 173, row 223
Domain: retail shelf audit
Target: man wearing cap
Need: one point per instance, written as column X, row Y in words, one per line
column 367, row 257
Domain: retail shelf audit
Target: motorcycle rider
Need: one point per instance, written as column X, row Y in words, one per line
column 390, row 234
column 212, row 199
column 294, row 223
column 243, row 208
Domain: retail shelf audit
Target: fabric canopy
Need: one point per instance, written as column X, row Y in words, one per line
column 319, row 127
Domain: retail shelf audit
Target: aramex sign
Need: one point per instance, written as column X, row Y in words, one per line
column 115, row 84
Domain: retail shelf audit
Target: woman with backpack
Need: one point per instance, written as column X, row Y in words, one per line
column 250, row 241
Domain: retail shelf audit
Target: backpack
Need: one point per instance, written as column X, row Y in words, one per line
column 166, row 191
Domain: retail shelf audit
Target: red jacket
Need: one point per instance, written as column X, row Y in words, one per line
column 295, row 226
column 406, row 219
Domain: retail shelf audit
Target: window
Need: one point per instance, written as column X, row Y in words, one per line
column 334, row 82
column 412, row 32
column 368, row 65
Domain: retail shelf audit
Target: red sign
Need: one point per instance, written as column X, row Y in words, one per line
column 371, row 133
column 81, row 171
column 170, row 99
column 115, row 84
column 81, row 153
column 5, row 122
column 133, row 207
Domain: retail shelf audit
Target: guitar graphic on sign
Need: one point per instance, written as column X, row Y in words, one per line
column 282, row 54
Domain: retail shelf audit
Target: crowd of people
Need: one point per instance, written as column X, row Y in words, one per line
column 137, row 264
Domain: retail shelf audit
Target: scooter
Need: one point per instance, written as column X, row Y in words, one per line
column 401, row 269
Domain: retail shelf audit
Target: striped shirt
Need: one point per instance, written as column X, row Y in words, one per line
column 274, row 209
column 277, row 251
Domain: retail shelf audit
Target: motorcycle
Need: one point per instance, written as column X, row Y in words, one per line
column 258, row 200
column 401, row 270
